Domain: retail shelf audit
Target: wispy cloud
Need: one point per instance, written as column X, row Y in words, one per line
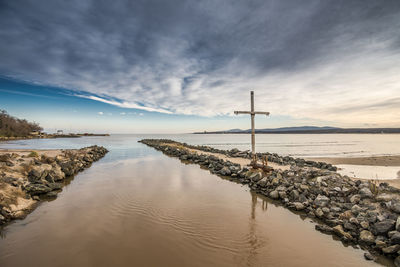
column 100, row 113
column 124, row 104
column 323, row 60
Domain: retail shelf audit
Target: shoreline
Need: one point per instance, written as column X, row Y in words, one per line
column 47, row 136
column 361, row 213
column 28, row 177
column 393, row 160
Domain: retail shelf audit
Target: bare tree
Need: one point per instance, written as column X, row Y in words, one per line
column 14, row 127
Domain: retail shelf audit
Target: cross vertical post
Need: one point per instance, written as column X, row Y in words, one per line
column 253, row 128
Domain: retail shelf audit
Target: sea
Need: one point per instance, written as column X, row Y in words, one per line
column 139, row 207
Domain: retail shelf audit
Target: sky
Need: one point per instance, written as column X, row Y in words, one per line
column 146, row 66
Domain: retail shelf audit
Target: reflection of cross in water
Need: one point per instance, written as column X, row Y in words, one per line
column 264, row 205
column 253, row 240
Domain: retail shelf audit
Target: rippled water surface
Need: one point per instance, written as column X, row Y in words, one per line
column 138, row 207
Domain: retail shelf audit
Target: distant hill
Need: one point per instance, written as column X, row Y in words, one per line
column 308, row 130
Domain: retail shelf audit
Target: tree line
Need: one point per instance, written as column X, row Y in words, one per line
column 13, row 127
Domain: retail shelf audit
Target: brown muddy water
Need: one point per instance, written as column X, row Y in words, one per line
column 138, row 207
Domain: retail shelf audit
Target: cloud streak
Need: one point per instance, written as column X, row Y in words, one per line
column 313, row 59
column 123, row 104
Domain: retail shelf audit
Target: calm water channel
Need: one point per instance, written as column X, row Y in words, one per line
column 138, row 207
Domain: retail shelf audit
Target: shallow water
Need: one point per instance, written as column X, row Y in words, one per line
column 138, row 207
column 297, row 145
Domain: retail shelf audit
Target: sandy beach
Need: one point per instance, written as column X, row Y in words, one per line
column 371, row 161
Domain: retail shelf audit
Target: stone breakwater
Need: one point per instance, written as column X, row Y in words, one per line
column 26, row 179
column 272, row 157
column 360, row 213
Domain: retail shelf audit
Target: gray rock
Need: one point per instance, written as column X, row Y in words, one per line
column 395, row 238
column 381, row 228
column 367, row 237
column 225, row 171
column 299, row 206
column 384, row 197
column 356, row 209
column 391, row 249
column 294, row 194
column 365, row 193
column 319, row 213
column 37, row 189
column 364, row 224
column 52, row 194
column 398, row 224
column 274, row 194
column 368, row 256
column 282, row 194
column 338, row 230
column 323, row 228
column 355, row 198
column 263, row 182
column 397, row 261
column 395, row 207
column 255, row 177
column 321, row 201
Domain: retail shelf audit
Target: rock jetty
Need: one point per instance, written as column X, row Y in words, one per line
column 26, row 179
column 360, row 213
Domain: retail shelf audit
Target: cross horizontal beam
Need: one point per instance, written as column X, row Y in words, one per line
column 251, row 112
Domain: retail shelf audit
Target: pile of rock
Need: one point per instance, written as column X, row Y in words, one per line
column 26, row 179
column 356, row 211
column 272, row 157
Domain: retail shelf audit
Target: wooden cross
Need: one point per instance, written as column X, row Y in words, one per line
column 253, row 130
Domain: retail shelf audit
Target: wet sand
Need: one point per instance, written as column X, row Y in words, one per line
column 371, row 161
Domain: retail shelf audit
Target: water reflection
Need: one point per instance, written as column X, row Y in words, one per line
column 137, row 207
column 255, row 242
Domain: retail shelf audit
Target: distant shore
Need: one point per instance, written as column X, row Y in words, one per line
column 299, row 130
column 48, row 136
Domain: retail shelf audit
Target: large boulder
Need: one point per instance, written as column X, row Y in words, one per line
column 37, row 189
column 338, row 230
column 255, row 176
column 274, row 194
column 395, row 207
column 381, row 228
column 225, row 171
column 321, row 201
column 398, row 224
column 367, row 237
column 384, row 197
column 395, row 238
column 299, row 206
column 365, row 192
column 391, row 249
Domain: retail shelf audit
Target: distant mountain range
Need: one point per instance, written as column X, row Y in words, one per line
column 307, row 130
